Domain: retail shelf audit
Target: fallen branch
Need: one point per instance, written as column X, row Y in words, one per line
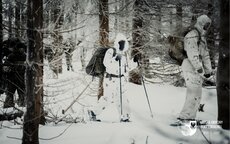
column 57, row 135
column 64, row 111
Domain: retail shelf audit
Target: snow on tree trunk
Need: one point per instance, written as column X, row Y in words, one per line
column 223, row 66
column 34, row 73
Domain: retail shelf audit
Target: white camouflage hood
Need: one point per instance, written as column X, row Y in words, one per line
column 201, row 21
column 121, row 37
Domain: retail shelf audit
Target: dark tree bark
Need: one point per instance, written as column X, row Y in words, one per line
column 1, row 40
column 103, row 34
column 211, row 36
column 137, row 35
column 17, row 19
column 137, row 29
column 10, row 16
column 223, row 66
column 23, row 18
column 34, row 72
column 104, row 23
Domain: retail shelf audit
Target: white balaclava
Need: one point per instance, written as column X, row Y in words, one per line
column 203, row 23
column 121, row 43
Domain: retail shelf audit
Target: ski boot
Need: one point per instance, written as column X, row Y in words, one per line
column 125, row 118
column 181, row 122
column 92, row 116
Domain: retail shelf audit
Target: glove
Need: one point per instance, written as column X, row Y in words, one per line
column 210, row 76
column 200, row 71
column 135, row 58
column 207, row 75
column 118, row 57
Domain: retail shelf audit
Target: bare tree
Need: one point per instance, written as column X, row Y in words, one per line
column 104, row 34
column 223, row 66
column 17, row 19
column 1, row 49
column 58, row 18
column 34, row 72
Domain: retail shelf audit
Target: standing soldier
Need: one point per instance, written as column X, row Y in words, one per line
column 69, row 47
column 15, row 70
column 6, row 50
column 115, row 80
column 196, row 67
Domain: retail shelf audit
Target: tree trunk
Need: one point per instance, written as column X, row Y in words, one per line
column 34, row 73
column 122, row 16
column 10, row 16
column 23, row 18
column 104, row 34
column 1, row 40
column 17, row 19
column 104, row 23
column 116, row 17
column 179, row 18
column 211, row 36
column 137, row 36
column 223, row 66
column 58, row 18
column 194, row 10
column 171, row 22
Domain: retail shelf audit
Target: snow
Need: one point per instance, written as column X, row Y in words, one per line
column 166, row 102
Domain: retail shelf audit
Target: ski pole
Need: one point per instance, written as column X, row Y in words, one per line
column 120, row 86
column 146, row 94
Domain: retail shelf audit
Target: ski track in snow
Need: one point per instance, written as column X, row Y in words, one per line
column 166, row 102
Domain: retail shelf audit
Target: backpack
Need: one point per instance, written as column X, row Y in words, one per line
column 95, row 67
column 176, row 50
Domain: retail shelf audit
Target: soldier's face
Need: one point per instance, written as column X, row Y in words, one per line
column 206, row 26
column 121, row 45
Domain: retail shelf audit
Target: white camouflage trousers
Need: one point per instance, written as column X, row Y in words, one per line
column 112, row 95
column 194, row 91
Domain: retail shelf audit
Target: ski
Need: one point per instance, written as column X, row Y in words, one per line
column 193, row 123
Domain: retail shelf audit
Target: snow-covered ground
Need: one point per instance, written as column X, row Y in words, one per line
column 166, row 102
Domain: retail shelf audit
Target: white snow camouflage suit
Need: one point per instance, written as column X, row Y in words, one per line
column 112, row 81
column 195, row 66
